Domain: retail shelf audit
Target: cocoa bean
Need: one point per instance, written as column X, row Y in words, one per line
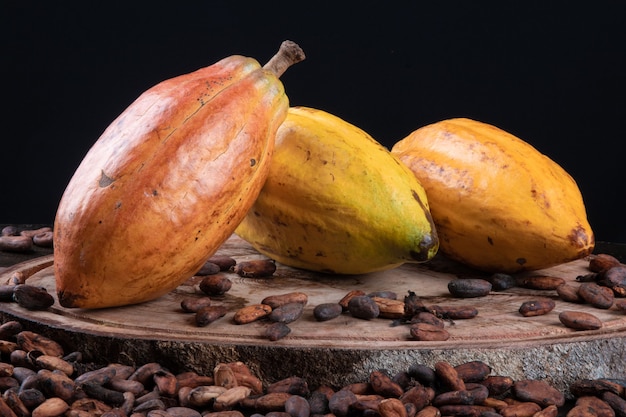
column 600, row 407
column 231, row 397
column 615, row 279
column 272, row 401
column 30, row 233
column 277, row 331
column 9, row 231
column 391, row 407
column 419, row 395
column 215, row 285
column 145, row 372
column 583, row 411
column 521, row 409
column 539, row 392
column 165, row 382
column 53, row 363
column 341, row 402
column 279, row 300
column 464, row 410
column 596, row 295
column 593, row 277
column 537, row 307
column 345, row 300
column 469, row 287
column 423, row 374
column 478, row 392
column 617, row 403
column 192, row 379
column 428, row 332
column 497, row 384
column 363, row 307
column 208, row 314
column 601, row 262
column 193, row 304
column 453, row 312
column 28, row 340
column 125, row 385
column 31, row 397
column 297, row 406
column 251, row 313
column 31, row 297
column 6, row 293
column 389, row 308
column 293, row 385
column 257, row 268
column 225, row 262
column 327, row 311
column 453, row 397
column 413, row 304
column 318, row 403
column 549, row 411
column 16, row 244
column 224, row 376
column 428, row 318
column 501, row 281
column 14, row 402
column 44, row 239
column 540, row 282
column 569, row 293
column 390, row 295
column 204, row 395
column 473, row 371
column 595, row 387
column 50, row 407
column 286, row 313
column 382, row 384
column 449, row 376
column 10, row 328
column 579, row 320
column 208, row 268
column 429, row 411
column 182, row 412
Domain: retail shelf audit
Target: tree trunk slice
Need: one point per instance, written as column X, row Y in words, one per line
column 344, row 349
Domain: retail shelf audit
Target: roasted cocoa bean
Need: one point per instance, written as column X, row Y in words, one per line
column 277, row 331
column 569, row 293
column 579, row 320
column 98, row 376
column 31, row 397
column 617, row 403
column 225, row 262
column 286, row 313
column 602, row 261
column 478, row 392
column 598, row 406
column 382, row 384
column 540, row 282
column 449, row 376
column 473, row 371
column 16, row 243
column 596, row 295
column 208, row 268
column 549, row 411
column 469, row 287
column 193, row 304
column 428, row 332
column 582, row 411
column 391, row 407
column 389, row 308
column 419, row 395
column 215, row 285
column 44, row 239
column 615, row 279
column 54, row 363
column 208, row 314
column 363, row 307
column 595, row 387
column 341, row 402
column 345, row 300
column 501, row 281
column 31, row 297
column 12, row 399
column 297, row 406
column 28, row 340
column 125, row 385
column 165, row 382
column 327, row 311
column 145, row 372
column 224, row 376
column 539, row 392
column 429, row 411
column 318, row 403
column 464, row 410
column 279, row 300
column 453, row 397
column 257, row 268
column 182, row 412
column 251, row 313
column 293, row 385
column 453, row 312
column 272, row 401
column 56, row 384
column 520, row 409
column 497, row 384
column 51, row 407
column 537, row 307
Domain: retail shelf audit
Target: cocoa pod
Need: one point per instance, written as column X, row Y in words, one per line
column 449, row 377
column 473, row 371
column 327, row 311
column 540, row 282
column 193, row 304
column 428, row 332
column 469, row 287
column 250, row 313
column 208, row 314
column 16, row 243
column 215, row 285
column 31, row 297
column 579, row 320
column 596, row 295
column 286, row 313
column 569, row 293
column 601, row 262
column 256, row 268
column 539, row 392
column 537, row 307
column 279, row 300
column 277, row 331
column 382, row 384
column 363, row 307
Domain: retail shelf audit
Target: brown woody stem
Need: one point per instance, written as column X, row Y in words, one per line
column 288, row 54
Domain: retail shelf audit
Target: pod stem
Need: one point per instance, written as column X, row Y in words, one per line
column 288, row 54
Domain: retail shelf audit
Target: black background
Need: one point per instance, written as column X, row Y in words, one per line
column 551, row 72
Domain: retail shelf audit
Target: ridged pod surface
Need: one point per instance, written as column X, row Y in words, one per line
column 337, row 201
column 498, row 203
column 166, row 184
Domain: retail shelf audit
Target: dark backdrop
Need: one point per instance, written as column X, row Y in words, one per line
column 550, row 72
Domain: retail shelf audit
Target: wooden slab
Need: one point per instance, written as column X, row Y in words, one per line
column 499, row 334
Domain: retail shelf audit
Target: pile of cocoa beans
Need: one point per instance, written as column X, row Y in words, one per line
column 39, row 379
